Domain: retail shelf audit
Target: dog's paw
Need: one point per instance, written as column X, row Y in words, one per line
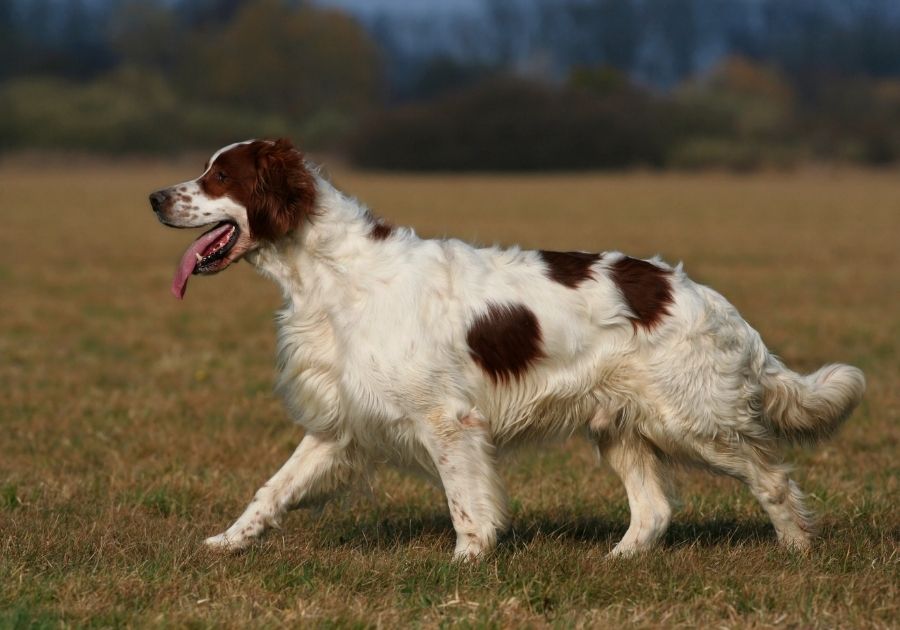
column 226, row 542
column 799, row 543
column 467, row 556
column 627, row 550
column 470, row 549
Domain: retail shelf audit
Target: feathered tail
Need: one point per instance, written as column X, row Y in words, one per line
column 809, row 409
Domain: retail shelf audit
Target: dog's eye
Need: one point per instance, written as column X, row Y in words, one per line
column 221, row 176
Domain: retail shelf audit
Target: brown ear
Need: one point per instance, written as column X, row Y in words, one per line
column 285, row 191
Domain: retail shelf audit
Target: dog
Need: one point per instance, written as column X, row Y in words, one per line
column 438, row 356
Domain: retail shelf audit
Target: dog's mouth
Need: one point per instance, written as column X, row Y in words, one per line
column 208, row 254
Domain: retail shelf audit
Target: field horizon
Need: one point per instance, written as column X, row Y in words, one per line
column 134, row 425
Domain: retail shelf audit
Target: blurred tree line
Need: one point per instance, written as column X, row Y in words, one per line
column 741, row 115
column 150, row 75
column 168, row 75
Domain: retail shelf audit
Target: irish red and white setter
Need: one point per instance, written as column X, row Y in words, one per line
column 439, row 356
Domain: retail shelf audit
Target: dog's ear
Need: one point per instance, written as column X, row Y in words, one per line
column 284, row 194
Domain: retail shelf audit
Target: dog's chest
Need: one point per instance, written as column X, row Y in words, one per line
column 308, row 369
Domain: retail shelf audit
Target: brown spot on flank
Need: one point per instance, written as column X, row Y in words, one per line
column 505, row 340
column 646, row 289
column 569, row 268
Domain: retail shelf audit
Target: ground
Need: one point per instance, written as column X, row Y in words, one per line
column 132, row 425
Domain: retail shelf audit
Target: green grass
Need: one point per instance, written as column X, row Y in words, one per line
column 132, row 426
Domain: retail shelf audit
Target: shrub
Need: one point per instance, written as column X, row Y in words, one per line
column 512, row 124
column 124, row 112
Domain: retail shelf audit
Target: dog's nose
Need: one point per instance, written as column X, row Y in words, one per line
column 156, row 200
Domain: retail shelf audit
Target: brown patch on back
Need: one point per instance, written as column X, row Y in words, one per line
column 646, row 289
column 569, row 268
column 270, row 179
column 380, row 229
column 505, row 340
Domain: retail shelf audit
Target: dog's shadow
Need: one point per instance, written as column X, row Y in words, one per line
column 392, row 531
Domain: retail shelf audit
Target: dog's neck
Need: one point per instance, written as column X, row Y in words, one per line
column 331, row 256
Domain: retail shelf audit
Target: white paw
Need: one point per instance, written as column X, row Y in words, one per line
column 226, row 542
column 627, row 549
column 469, row 549
column 466, row 556
column 799, row 543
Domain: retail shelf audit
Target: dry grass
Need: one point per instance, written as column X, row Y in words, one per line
column 134, row 425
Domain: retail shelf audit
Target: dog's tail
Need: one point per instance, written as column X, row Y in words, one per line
column 808, row 409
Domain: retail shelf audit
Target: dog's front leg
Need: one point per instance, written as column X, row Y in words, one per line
column 463, row 453
column 317, row 467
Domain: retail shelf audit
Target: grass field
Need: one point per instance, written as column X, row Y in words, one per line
column 132, row 426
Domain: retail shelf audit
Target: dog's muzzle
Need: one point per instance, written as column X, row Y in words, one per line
column 158, row 201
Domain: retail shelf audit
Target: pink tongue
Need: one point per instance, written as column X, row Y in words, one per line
column 189, row 258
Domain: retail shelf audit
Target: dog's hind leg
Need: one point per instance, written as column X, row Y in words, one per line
column 317, row 467
column 647, row 483
column 463, row 454
column 779, row 496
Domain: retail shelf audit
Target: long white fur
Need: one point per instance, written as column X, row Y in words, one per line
column 373, row 363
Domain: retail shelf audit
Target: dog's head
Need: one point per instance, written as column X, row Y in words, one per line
column 250, row 193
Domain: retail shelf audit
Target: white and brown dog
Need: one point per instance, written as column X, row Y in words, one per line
column 436, row 355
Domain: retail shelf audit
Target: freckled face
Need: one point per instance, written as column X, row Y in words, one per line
column 218, row 198
column 249, row 192
column 219, row 194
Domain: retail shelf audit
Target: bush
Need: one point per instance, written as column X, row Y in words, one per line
column 125, row 112
column 513, row 124
column 730, row 154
